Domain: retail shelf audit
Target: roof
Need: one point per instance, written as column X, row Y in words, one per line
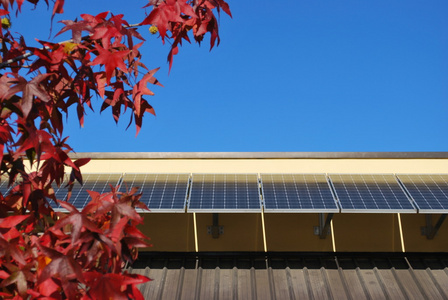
column 256, row 155
column 294, row 276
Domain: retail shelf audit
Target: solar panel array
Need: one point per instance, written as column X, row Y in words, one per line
column 429, row 191
column 297, row 193
column 370, row 193
column 377, row 193
column 161, row 192
column 224, row 192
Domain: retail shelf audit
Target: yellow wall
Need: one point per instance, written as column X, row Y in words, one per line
column 242, row 232
column 169, row 232
column 294, row 232
column 366, row 232
column 416, row 242
column 267, row 166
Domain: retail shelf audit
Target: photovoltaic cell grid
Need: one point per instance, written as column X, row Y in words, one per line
column 60, row 192
column 91, row 182
column 224, row 192
column 370, row 193
column 429, row 191
column 4, row 188
column 297, row 192
column 161, row 192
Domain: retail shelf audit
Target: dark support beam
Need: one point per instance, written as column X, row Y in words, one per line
column 215, row 226
column 430, row 230
column 324, row 226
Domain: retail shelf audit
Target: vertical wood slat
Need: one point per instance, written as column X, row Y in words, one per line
column 372, row 285
column 170, row 284
column 441, row 279
column 156, row 284
column 409, row 285
column 188, row 290
column 207, row 290
column 317, row 284
column 427, row 285
column 244, row 288
column 336, row 284
column 391, row 285
column 262, row 289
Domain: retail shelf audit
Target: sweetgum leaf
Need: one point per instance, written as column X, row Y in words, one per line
column 77, row 27
column 77, row 220
column 110, row 60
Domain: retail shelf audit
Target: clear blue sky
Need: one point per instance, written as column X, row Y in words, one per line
column 288, row 75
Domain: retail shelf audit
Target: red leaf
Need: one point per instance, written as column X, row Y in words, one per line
column 167, row 11
column 39, row 140
column 105, row 286
column 19, row 278
column 29, row 91
column 113, row 286
column 76, row 173
column 49, row 287
column 222, row 4
column 118, row 230
column 58, row 7
column 110, row 60
column 100, row 79
column 77, row 28
column 5, row 83
column 141, row 89
column 12, row 221
column 77, row 220
column 144, row 107
column 62, row 267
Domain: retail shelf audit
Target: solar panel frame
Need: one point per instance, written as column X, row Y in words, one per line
column 397, row 199
column 427, row 200
column 206, row 189
column 148, row 192
column 297, row 194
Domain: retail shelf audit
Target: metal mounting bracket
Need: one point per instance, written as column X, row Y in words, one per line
column 215, row 230
column 324, row 225
column 429, row 230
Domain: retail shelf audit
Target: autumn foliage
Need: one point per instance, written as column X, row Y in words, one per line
column 75, row 254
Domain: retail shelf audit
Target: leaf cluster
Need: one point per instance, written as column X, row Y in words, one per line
column 46, row 254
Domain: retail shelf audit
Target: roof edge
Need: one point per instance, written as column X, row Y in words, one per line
column 260, row 155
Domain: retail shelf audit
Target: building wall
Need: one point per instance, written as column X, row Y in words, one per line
column 416, row 242
column 292, row 233
column 284, row 231
column 242, row 232
column 366, row 232
column 267, row 166
column 169, row 232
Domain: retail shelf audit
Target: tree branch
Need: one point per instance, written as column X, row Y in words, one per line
column 6, row 64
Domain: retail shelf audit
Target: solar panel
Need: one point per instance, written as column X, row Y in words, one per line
column 224, row 193
column 161, row 192
column 4, row 188
column 60, row 192
column 92, row 182
column 297, row 193
column 370, row 193
column 429, row 191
